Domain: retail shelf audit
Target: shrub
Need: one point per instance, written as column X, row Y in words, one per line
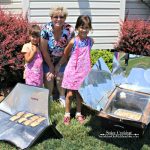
column 13, row 34
column 105, row 54
column 134, row 37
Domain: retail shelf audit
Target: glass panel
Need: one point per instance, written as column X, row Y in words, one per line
column 128, row 104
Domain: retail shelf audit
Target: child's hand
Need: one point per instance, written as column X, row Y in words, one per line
column 49, row 76
column 34, row 48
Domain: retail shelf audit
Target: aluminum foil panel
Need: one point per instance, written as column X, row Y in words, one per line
column 97, row 85
column 101, row 82
column 24, row 115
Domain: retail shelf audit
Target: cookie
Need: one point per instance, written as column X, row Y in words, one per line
column 37, row 122
column 22, row 120
column 17, row 116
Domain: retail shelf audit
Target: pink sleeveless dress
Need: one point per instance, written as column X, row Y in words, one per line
column 78, row 65
column 34, row 69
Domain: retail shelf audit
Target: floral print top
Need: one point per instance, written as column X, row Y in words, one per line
column 56, row 48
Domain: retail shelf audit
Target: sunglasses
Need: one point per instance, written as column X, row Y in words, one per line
column 61, row 17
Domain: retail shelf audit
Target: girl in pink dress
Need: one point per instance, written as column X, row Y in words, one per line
column 78, row 65
column 33, row 73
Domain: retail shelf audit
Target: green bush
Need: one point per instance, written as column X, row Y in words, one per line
column 105, row 54
column 134, row 37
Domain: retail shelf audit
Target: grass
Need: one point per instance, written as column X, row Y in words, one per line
column 142, row 62
column 82, row 137
column 87, row 136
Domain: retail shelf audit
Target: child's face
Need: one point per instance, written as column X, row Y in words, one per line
column 83, row 31
column 34, row 39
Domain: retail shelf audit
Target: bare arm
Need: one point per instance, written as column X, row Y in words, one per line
column 65, row 55
column 46, row 56
column 30, row 55
column 66, row 52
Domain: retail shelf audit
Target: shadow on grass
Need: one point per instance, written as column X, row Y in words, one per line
column 128, row 138
column 85, row 110
column 49, row 133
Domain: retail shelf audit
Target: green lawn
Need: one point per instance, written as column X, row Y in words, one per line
column 143, row 62
column 82, row 137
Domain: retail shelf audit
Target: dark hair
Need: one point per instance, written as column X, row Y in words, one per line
column 34, row 30
column 83, row 20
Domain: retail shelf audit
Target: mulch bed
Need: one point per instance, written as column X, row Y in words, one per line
column 4, row 92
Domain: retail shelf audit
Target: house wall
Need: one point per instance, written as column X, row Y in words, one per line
column 138, row 9
column 15, row 6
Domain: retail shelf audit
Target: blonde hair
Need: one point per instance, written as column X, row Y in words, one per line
column 57, row 9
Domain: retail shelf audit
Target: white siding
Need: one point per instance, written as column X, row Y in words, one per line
column 138, row 9
column 105, row 14
column 14, row 6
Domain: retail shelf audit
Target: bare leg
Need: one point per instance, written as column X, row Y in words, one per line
column 49, row 85
column 60, row 89
column 80, row 118
column 67, row 107
column 79, row 101
column 68, row 101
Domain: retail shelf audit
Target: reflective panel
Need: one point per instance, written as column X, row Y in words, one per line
column 132, row 74
column 97, row 85
column 118, row 73
column 24, row 115
column 135, row 71
column 139, row 77
column 101, row 65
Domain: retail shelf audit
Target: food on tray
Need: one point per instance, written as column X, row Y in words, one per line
column 34, row 121
column 13, row 118
column 28, row 119
column 33, row 118
column 28, row 115
column 37, row 122
column 34, row 124
column 40, row 119
column 17, row 116
column 22, row 120
column 20, row 113
column 128, row 114
column 27, row 122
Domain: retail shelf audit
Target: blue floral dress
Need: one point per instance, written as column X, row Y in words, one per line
column 56, row 48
